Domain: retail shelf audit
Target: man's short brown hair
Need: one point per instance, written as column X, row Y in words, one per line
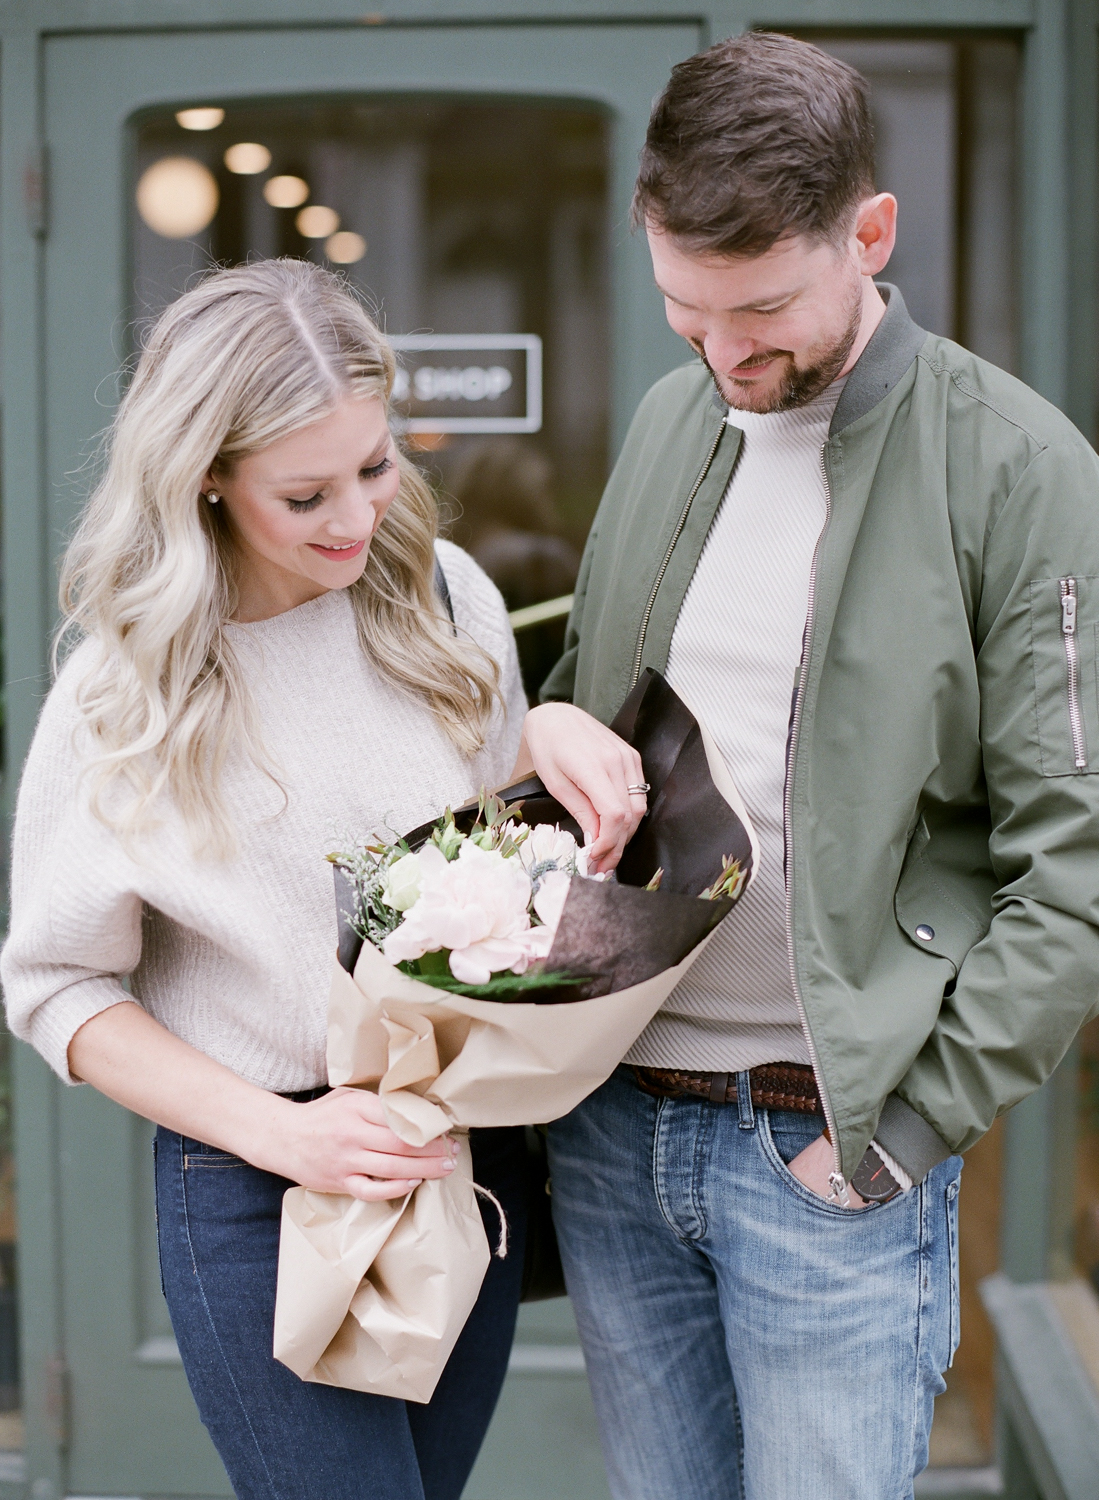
column 760, row 138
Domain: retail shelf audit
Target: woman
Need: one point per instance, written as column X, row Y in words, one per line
column 264, row 666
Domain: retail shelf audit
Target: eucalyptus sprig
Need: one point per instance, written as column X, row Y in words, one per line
column 729, row 883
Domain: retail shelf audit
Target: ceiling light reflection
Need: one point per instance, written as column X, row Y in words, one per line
column 285, row 192
column 200, row 119
column 247, row 158
column 345, row 248
column 317, row 222
column 177, row 197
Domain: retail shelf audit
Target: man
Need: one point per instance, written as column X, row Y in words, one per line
column 758, row 1213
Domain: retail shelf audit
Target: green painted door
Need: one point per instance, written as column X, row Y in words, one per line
column 107, row 1406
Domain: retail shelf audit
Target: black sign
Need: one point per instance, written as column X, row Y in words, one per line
column 478, row 382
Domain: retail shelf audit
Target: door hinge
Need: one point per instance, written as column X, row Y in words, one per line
column 36, row 190
column 57, row 1392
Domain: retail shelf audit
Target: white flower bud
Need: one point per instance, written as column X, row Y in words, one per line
column 401, row 888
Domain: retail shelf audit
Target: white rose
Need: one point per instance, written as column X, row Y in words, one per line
column 401, row 887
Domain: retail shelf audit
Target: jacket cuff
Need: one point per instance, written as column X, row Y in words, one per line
column 907, row 1136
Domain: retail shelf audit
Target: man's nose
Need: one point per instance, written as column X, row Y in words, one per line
column 724, row 351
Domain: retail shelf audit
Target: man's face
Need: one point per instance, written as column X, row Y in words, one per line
column 775, row 329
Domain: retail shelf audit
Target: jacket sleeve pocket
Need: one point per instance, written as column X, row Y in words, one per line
column 1064, row 635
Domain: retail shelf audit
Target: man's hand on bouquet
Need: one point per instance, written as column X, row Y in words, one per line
column 590, row 771
column 814, row 1167
column 340, row 1143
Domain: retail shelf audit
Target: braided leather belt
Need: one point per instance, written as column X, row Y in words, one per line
column 773, row 1085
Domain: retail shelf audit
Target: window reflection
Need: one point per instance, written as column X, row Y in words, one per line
column 946, row 117
column 508, row 519
column 454, row 219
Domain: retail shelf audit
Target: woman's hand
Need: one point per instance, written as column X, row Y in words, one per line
column 590, row 771
column 341, row 1144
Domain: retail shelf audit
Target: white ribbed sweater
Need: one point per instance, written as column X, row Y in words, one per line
column 734, row 658
column 235, row 956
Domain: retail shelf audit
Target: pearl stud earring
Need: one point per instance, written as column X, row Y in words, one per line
column 212, row 498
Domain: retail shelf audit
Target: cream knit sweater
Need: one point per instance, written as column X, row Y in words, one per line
column 235, row 956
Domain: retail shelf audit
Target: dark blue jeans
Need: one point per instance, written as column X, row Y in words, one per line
column 281, row 1438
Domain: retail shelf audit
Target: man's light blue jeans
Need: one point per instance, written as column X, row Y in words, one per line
column 745, row 1339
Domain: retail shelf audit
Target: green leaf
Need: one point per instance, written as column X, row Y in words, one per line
column 501, row 986
column 428, row 965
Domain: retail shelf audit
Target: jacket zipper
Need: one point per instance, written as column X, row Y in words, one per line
column 836, row 1181
column 1072, row 666
column 676, row 534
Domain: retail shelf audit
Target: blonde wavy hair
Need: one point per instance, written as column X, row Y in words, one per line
column 242, row 359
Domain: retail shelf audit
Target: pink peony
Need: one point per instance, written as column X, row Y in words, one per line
column 475, row 905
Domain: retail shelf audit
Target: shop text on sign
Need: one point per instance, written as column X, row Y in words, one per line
column 452, row 383
column 476, row 382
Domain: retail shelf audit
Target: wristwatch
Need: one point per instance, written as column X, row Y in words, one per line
column 873, row 1180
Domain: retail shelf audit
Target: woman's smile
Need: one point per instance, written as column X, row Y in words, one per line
column 343, row 552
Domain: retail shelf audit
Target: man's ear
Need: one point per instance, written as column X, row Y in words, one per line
column 876, row 232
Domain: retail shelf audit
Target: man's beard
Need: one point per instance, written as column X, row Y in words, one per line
column 798, row 386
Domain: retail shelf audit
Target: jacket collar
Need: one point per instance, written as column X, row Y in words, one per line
column 893, row 346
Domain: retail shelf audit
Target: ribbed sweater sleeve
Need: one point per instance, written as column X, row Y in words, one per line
column 76, row 915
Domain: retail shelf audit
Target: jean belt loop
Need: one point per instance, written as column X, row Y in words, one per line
column 745, row 1109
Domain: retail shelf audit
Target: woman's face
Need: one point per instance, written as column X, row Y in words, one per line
column 302, row 512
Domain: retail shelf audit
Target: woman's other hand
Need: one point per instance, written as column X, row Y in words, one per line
column 339, row 1143
column 590, row 771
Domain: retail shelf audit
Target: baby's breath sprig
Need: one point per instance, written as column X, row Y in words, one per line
column 366, row 865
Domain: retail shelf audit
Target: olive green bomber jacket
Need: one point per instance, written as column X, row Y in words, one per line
column 943, row 777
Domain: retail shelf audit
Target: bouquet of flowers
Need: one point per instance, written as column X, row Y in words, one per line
column 477, row 911
column 492, row 903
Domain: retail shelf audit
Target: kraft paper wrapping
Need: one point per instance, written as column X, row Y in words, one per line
column 373, row 1296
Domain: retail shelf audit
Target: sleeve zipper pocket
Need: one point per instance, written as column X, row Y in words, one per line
column 1072, row 673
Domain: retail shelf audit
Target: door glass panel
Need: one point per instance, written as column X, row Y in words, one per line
column 477, row 233
column 946, row 130
column 946, row 115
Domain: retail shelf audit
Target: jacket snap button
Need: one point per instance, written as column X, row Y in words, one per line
column 925, row 933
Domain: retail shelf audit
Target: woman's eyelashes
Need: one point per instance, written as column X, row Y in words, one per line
column 373, row 471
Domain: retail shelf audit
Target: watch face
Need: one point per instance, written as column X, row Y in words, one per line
column 873, row 1180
